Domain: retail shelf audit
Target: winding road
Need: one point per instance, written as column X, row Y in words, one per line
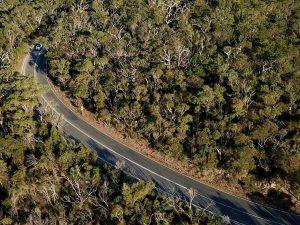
column 239, row 210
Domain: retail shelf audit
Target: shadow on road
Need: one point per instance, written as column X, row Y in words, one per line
column 275, row 198
column 38, row 58
column 218, row 204
column 164, row 186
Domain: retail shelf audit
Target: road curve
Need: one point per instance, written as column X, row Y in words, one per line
column 239, row 210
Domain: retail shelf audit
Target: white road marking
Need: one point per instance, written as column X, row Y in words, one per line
column 151, row 170
column 161, row 190
column 159, row 163
column 228, row 193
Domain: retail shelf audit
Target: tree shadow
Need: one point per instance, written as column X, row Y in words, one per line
column 239, row 211
column 170, row 188
column 275, row 198
column 253, row 213
column 236, row 212
column 38, row 58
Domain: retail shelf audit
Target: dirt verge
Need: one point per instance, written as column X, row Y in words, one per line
column 214, row 178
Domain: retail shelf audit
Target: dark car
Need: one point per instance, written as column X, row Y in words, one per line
column 38, row 47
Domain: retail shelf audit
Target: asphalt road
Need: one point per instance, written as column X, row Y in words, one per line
column 239, row 210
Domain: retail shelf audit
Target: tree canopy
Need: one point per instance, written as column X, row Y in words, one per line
column 216, row 82
column 46, row 177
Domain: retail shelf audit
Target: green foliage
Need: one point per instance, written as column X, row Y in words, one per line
column 136, row 192
column 45, row 178
column 215, row 83
column 191, row 78
column 64, row 181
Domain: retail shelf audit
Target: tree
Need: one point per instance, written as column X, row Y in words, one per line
column 45, row 177
column 192, row 194
column 136, row 192
column 60, row 71
column 212, row 83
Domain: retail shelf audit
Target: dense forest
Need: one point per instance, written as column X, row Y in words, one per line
column 47, row 178
column 216, row 83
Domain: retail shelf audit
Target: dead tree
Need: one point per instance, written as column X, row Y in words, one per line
column 173, row 9
column 166, row 58
column 82, row 189
column 225, row 220
column 183, row 56
column 4, row 60
column 192, row 194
